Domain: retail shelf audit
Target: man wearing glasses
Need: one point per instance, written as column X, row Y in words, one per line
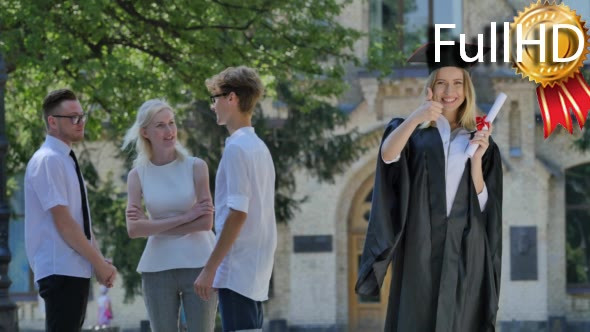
column 241, row 263
column 61, row 247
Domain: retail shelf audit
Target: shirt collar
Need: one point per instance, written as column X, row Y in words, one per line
column 57, row 145
column 240, row 132
column 444, row 126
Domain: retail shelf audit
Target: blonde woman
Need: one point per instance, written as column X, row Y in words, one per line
column 174, row 188
column 437, row 213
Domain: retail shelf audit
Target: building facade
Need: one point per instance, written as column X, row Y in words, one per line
column 546, row 223
column 542, row 230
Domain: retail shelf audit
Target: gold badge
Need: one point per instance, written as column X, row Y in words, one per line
column 548, row 72
column 550, row 44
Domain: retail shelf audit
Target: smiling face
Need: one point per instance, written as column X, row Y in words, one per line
column 449, row 88
column 161, row 131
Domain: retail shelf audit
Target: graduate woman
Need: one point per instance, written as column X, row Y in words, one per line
column 436, row 212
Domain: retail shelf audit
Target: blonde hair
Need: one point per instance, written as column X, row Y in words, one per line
column 143, row 147
column 467, row 111
column 243, row 81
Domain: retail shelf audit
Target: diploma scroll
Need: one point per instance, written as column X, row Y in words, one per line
column 489, row 118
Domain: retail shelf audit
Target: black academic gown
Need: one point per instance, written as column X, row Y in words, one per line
column 446, row 270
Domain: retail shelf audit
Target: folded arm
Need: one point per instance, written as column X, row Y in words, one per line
column 201, row 182
column 138, row 225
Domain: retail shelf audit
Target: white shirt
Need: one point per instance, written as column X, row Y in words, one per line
column 51, row 180
column 245, row 182
column 454, row 145
column 169, row 190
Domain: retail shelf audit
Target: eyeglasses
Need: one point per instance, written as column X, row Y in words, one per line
column 75, row 119
column 212, row 98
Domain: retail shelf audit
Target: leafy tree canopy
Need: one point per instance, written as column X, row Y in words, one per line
column 117, row 54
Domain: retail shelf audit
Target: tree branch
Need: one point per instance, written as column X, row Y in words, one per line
column 172, row 28
column 130, row 9
column 101, row 102
column 232, row 6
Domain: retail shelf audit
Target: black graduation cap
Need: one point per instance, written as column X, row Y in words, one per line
column 450, row 55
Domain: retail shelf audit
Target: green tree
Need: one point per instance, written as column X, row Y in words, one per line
column 117, row 54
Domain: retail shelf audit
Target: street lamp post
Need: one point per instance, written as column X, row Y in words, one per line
column 8, row 316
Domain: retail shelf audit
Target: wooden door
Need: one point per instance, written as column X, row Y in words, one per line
column 366, row 313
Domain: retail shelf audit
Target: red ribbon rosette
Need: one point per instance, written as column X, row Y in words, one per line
column 562, row 87
column 557, row 101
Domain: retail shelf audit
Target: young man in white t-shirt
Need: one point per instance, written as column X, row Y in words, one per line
column 61, row 247
column 241, row 264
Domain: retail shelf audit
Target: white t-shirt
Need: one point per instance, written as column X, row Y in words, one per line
column 169, row 190
column 51, row 180
column 454, row 145
column 245, row 182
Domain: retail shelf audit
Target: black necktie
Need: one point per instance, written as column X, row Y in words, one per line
column 83, row 193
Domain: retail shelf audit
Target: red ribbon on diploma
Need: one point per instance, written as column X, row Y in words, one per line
column 557, row 101
column 480, row 122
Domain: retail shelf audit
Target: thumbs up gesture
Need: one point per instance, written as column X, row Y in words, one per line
column 429, row 110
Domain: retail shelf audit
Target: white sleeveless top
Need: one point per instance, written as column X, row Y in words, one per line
column 169, row 190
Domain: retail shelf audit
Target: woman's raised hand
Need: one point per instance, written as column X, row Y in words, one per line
column 429, row 110
column 482, row 138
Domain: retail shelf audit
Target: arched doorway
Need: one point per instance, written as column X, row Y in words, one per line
column 366, row 313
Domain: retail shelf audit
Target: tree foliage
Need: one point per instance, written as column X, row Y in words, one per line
column 117, row 54
column 583, row 143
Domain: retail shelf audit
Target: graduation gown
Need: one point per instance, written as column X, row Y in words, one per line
column 446, row 269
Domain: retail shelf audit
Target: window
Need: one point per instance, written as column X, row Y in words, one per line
column 23, row 286
column 409, row 20
column 577, row 198
column 515, row 133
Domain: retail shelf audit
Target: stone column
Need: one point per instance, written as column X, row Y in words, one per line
column 370, row 88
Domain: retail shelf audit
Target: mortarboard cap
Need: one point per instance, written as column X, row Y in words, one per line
column 449, row 55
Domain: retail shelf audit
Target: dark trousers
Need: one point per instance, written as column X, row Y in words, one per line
column 65, row 302
column 239, row 312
